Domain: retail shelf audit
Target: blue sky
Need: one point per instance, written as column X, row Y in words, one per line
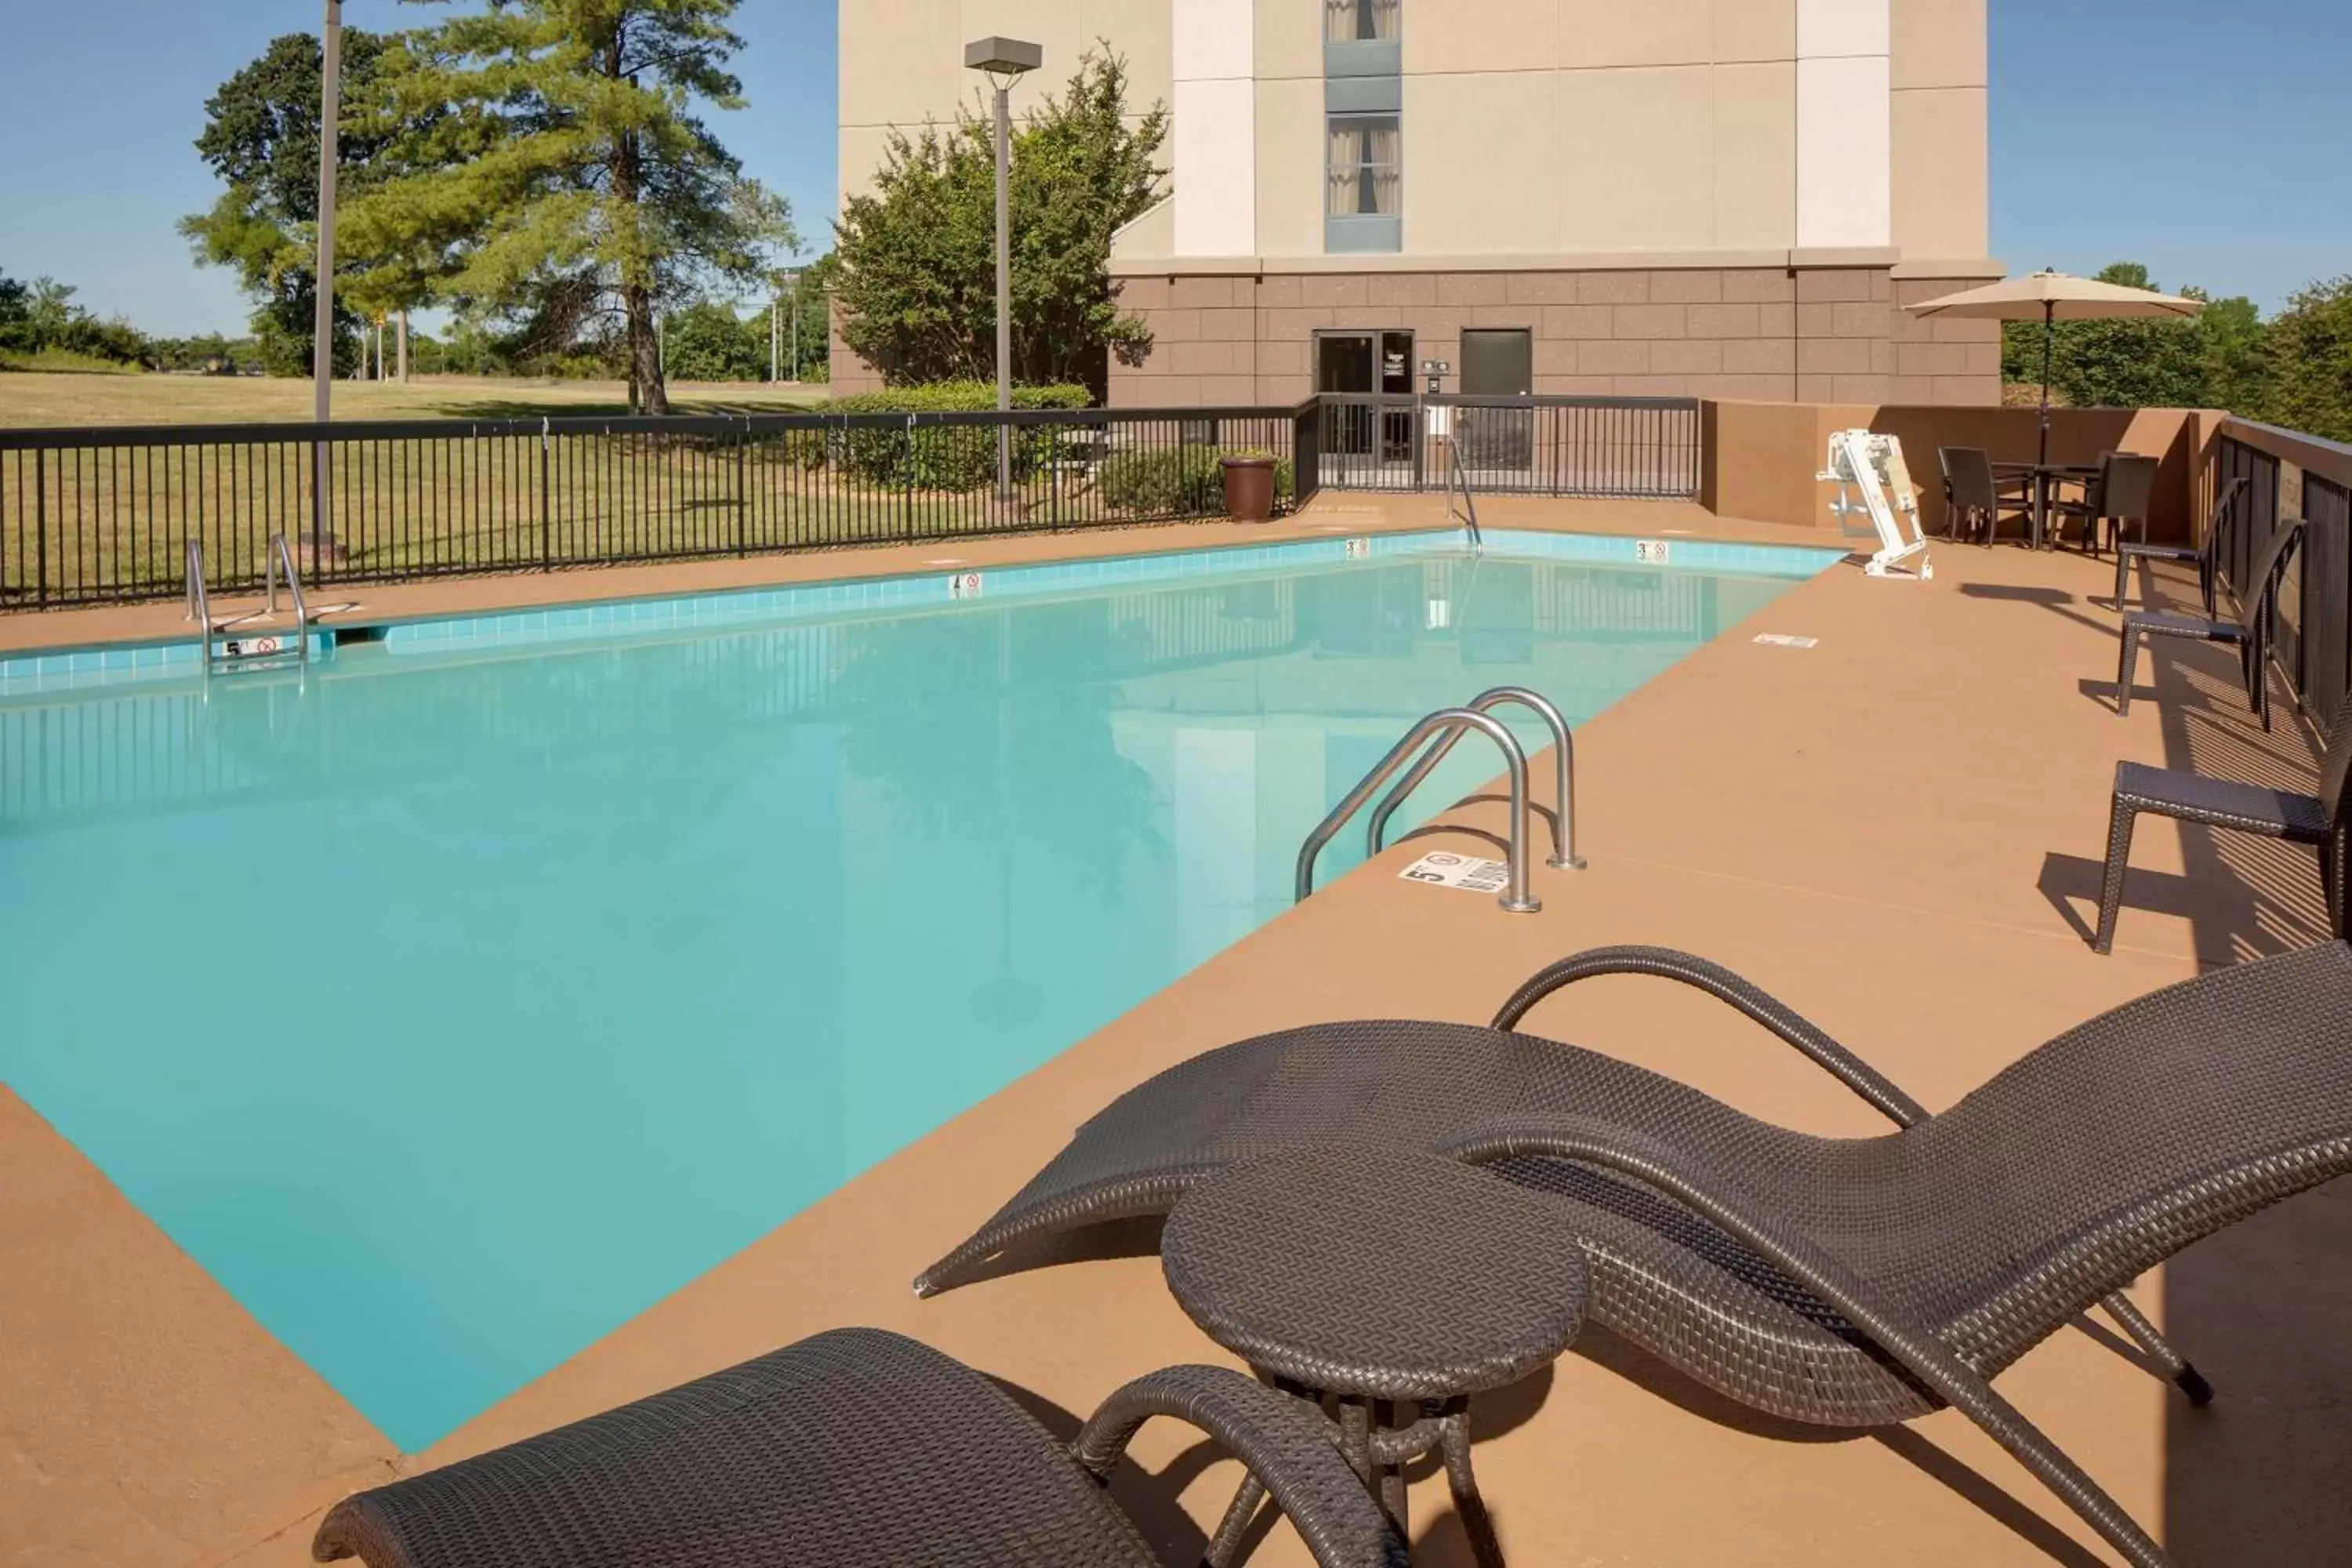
column 2202, row 139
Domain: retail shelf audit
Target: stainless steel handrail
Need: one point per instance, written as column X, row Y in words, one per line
column 1453, row 721
column 1458, row 476
column 1564, row 857
column 199, row 609
column 282, row 559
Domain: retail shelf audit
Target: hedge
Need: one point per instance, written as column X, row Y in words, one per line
column 951, row 458
column 1179, row 482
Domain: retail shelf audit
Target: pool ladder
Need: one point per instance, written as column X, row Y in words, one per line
column 262, row 650
column 1431, row 740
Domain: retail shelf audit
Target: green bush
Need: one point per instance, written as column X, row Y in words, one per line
column 947, row 458
column 1180, row 481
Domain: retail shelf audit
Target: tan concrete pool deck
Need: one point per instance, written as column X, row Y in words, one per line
column 1896, row 830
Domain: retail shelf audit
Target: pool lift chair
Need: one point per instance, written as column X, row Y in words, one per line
column 1863, row 461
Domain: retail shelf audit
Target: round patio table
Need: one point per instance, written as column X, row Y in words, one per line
column 1396, row 1283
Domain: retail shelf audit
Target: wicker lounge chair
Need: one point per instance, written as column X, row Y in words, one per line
column 2207, row 555
column 2323, row 821
column 2249, row 633
column 1845, row 1282
column 852, row 1449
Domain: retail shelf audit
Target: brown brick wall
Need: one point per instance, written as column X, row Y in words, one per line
column 1815, row 336
column 1831, row 335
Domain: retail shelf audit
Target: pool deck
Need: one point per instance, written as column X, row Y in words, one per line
column 1896, row 830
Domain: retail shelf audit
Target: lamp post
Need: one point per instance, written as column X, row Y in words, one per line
column 1004, row 61
column 322, row 330
column 790, row 277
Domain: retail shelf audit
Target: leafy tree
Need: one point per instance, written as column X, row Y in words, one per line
column 261, row 137
column 2218, row 361
column 592, row 188
column 918, row 258
column 41, row 316
column 2312, row 341
column 709, row 341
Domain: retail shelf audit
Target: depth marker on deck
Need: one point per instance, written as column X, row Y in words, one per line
column 1781, row 639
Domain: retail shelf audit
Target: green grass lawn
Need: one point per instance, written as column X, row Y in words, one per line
column 33, row 398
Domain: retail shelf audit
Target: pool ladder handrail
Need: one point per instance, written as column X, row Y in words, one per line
column 1452, row 722
column 280, row 558
column 1564, row 857
column 1458, row 477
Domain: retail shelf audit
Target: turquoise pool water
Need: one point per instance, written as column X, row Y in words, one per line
column 458, row 1003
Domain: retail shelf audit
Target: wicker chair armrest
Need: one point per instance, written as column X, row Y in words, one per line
column 1688, row 1180
column 1730, row 989
column 1286, row 1447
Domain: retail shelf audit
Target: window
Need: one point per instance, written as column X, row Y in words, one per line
column 1365, row 167
column 1355, row 21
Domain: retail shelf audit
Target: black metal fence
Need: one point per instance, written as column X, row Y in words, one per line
column 104, row 515
column 2314, row 645
column 1630, row 448
column 96, row 516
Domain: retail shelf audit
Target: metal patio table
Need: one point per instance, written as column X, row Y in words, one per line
column 2042, row 480
column 1397, row 1284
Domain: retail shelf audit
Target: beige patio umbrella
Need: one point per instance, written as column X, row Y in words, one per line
column 2049, row 298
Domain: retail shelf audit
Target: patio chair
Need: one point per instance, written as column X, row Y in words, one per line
column 1973, row 498
column 2250, row 634
column 2207, row 555
column 1844, row 1282
column 853, row 1449
column 2323, row 821
column 2122, row 494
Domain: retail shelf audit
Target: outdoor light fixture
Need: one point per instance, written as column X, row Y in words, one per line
column 1004, row 61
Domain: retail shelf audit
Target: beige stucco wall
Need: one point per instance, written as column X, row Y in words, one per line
column 1537, row 127
column 901, row 61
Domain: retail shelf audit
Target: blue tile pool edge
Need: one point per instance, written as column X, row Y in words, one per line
column 73, row 668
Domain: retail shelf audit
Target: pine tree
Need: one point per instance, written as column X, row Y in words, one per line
column 594, row 180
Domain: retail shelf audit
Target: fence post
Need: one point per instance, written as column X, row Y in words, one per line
column 40, row 527
column 742, row 465
column 546, row 513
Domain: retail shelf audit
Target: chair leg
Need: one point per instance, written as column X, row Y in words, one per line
column 2174, row 1365
column 1236, row 1523
column 1454, row 1440
column 2120, row 823
column 2128, row 669
column 2122, row 564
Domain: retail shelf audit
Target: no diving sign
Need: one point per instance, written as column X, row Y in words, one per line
column 1488, row 876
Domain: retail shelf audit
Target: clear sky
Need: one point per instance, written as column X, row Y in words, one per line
column 2207, row 138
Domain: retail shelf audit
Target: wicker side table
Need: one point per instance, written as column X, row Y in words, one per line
column 1397, row 1283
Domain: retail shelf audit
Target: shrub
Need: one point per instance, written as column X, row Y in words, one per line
column 946, row 457
column 1180, row 481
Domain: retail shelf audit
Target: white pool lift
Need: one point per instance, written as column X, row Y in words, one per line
column 1872, row 464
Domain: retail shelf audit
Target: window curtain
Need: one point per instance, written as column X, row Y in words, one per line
column 1350, row 21
column 1365, row 169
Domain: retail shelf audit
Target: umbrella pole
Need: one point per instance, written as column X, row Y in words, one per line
column 2040, row 473
column 2048, row 350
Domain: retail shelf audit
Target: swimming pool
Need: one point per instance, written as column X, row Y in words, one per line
column 463, row 1000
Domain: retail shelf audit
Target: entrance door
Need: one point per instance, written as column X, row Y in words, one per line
column 1347, row 363
column 1497, row 364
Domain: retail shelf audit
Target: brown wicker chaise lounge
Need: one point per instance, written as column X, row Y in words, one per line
column 2250, row 634
column 1845, row 1282
column 852, row 1449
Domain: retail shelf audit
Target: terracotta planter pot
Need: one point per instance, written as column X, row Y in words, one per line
column 1249, row 489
